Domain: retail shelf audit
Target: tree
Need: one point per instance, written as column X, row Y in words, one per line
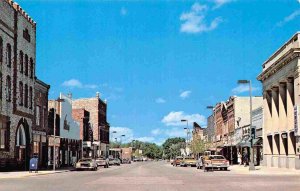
column 198, row 145
column 172, row 146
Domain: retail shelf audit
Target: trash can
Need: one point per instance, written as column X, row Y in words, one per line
column 33, row 165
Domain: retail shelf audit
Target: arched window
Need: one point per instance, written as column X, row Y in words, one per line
column 31, row 68
column 21, row 61
column 26, row 64
column 8, row 55
column 1, row 50
column 30, row 97
column 21, row 93
column 8, row 88
column 26, row 96
column 21, row 137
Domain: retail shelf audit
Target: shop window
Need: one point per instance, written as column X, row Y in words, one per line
column 284, row 140
column 3, row 135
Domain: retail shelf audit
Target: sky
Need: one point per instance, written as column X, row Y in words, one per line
column 157, row 62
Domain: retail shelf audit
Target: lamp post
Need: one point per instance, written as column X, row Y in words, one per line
column 59, row 100
column 187, row 133
column 251, row 163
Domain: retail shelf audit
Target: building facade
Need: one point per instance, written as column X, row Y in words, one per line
column 280, row 79
column 98, row 121
column 17, row 86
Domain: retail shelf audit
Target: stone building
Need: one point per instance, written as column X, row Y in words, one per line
column 98, row 120
column 281, row 100
column 17, row 85
column 209, row 131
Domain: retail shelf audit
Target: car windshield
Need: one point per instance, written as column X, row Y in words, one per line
column 85, row 160
column 179, row 158
column 217, row 157
column 189, row 158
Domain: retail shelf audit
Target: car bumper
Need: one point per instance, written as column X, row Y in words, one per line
column 217, row 166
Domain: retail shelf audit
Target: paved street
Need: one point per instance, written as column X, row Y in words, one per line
column 152, row 176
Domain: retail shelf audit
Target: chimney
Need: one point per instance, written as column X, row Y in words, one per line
column 98, row 95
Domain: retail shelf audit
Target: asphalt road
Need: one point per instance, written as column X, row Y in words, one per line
column 156, row 176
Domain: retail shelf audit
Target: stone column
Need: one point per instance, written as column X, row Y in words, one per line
column 282, row 114
column 267, row 121
column 290, row 112
column 275, row 117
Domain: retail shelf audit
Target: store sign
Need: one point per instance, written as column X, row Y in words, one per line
column 52, row 140
column 296, row 120
column 86, row 144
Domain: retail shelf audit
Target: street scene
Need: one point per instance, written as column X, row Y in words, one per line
column 149, row 95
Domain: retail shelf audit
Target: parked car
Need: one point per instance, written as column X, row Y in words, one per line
column 199, row 163
column 212, row 162
column 126, row 161
column 114, row 161
column 177, row 160
column 188, row 161
column 102, row 162
column 86, row 164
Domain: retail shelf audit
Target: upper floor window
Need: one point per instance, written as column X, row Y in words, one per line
column 1, row 50
column 8, row 88
column 3, row 135
column 30, row 97
column 8, row 55
column 0, row 85
column 26, row 64
column 21, row 61
column 21, row 93
column 31, row 68
column 26, row 96
column 38, row 118
column 26, row 35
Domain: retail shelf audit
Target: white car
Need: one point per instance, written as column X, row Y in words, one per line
column 86, row 164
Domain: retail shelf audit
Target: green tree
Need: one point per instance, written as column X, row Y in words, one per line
column 198, row 146
column 172, row 146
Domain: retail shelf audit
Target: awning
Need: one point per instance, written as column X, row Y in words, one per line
column 257, row 142
column 244, row 143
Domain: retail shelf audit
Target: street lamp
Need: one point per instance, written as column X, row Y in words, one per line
column 59, row 100
column 251, row 163
column 187, row 133
column 121, row 139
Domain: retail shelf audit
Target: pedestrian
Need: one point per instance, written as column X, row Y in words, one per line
column 239, row 158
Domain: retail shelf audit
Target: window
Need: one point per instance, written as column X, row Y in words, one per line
column 38, row 115
column 30, row 97
column 31, row 68
column 0, row 85
column 21, row 61
column 8, row 55
column 21, row 93
column 26, row 64
column 1, row 50
column 26, row 96
column 26, row 35
column 8, row 88
column 3, row 135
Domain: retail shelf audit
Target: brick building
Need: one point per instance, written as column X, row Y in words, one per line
column 86, row 133
column 17, row 86
column 98, row 121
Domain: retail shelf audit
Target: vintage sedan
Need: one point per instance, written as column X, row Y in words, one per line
column 114, row 161
column 188, row 161
column 212, row 162
column 177, row 161
column 102, row 162
column 86, row 164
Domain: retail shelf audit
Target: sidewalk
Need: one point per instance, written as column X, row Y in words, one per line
column 262, row 170
column 23, row 174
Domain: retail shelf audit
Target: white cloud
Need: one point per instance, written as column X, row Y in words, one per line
column 74, row 83
column 123, row 11
column 243, row 88
column 156, row 131
column 194, row 21
column 173, row 132
column 174, row 118
column 185, row 94
column 145, row 139
column 289, row 18
column 298, row 1
column 121, row 131
column 220, row 3
column 160, row 100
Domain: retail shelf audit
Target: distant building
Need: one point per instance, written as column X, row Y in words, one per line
column 280, row 80
column 209, row 131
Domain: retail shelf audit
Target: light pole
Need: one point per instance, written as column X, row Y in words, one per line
column 121, row 139
column 187, row 133
column 251, row 163
column 59, row 100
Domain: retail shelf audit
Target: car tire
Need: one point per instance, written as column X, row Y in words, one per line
column 225, row 169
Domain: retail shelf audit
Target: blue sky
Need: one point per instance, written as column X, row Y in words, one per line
column 157, row 61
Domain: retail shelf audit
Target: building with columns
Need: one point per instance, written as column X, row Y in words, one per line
column 281, row 100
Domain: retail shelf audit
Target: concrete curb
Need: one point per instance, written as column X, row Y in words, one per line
column 28, row 174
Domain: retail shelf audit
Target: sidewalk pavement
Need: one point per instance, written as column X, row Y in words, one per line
column 262, row 170
column 23, row 174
